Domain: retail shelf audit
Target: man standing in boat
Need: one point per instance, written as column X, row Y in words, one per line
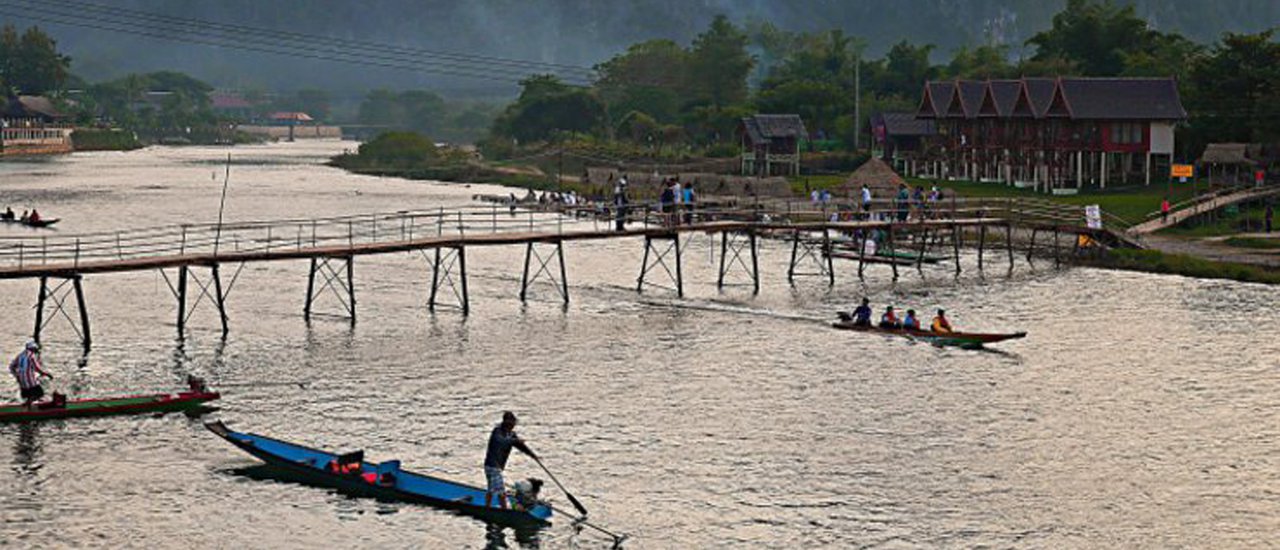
column 26, row 368
column 501, row 440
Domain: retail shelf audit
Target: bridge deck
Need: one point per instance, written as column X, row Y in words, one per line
column 67, row 267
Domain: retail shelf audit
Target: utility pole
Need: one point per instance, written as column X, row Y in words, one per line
column 857, row 102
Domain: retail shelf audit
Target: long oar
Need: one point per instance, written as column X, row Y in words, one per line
column 581, row 509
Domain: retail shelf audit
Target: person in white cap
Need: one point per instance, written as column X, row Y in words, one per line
column 26, row 368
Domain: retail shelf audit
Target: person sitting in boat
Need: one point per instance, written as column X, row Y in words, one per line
column 8, row 213
column 862, row 314
column 35, row 217
column 26, row 369
column 940, row 323
column 911, row 321
column 24, row 217
column 501, row 440
column 890, row 319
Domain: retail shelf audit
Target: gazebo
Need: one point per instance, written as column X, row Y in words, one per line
column 769, row 141
column 1224, row 156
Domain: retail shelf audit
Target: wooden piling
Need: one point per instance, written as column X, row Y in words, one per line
column 955, row 245
column 755, row 263
column 564, row 274
column 44, row 293
column 524, row 278
column 182, row 299
column 982, row 244
column 306, row 307
column 219, row 298
column 86, row 338
column 679, row 273
column 893, row 256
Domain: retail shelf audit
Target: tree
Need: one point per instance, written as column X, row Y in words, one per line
column 548, row 107
column 907, row 68
column 1095, row 35
column 982, row 62
column 1233, row 93
column 719, row 64
column 31, row 64
column 649, row 77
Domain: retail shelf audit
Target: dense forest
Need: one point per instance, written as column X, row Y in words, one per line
column 670, row 99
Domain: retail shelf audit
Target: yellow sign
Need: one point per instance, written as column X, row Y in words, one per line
column 1182, row 171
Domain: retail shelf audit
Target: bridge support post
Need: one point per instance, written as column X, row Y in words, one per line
column 982, row 244
column 1057, row 260
column 731, row 253
column 659, row 260
column 862, row 252
column 59, row 295
column 893, row 255
column 44, row 293
column 526, row 281
column 1031, row 246
column 332, row 279
column 181, row 294
column 219, row 298
column 85, row 336
column 1008, row 243
column 924, row 248
column 955, row 244
column 446, row 261
column 819, row 253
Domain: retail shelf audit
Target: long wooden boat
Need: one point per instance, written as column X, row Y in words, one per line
column 967, row 340
column 133, row 404
column 385, row 480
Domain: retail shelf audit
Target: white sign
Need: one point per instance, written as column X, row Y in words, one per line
column 1093, row 216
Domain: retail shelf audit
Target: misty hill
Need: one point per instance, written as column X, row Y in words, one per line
column 574, row 32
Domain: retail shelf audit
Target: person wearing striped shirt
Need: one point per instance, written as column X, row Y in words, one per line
column 26, row 369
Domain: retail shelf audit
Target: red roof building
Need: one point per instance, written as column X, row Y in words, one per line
column 1054, row 134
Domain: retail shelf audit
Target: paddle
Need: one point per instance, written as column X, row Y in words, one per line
column 581, row 509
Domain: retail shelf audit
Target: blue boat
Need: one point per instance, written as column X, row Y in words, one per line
column 350, row 474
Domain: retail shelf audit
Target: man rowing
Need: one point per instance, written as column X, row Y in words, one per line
column 940, row 323
column 26, row 369
column 501, row 440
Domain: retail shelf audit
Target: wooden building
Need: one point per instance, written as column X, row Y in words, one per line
column 900, row 138
column 1054, row 134
column 771, row 144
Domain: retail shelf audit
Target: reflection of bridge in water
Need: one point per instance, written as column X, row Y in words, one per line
column 332, row 244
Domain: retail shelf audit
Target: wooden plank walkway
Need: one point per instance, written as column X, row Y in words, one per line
column 500, row 238
column 1205, row 206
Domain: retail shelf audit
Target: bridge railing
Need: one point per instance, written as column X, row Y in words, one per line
column 339, row 233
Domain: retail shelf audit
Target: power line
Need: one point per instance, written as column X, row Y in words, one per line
column 361, row 45
column 249, row 43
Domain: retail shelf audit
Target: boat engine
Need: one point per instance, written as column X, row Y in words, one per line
column 196, row 384
column 526, row 493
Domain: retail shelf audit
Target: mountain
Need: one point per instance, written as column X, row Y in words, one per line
column 570, row 32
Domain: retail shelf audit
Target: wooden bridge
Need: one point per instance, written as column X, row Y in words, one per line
column 331, row 245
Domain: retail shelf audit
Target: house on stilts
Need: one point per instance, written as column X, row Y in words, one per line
column 1054, row 134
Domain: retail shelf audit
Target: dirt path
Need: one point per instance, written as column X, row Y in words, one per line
column 1213, row 248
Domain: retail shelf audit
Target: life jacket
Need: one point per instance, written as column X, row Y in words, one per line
column 941, row 325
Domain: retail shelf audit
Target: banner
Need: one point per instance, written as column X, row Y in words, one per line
column 1182, row 171
column 1093, row 216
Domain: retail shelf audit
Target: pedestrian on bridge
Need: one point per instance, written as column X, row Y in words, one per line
column 1164, row 210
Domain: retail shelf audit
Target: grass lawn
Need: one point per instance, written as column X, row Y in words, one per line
column 1131, row 204
column 1253, row 242
column 1154, row 261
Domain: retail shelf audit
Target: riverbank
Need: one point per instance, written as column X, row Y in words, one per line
column 104, row 139
column 1157, row 261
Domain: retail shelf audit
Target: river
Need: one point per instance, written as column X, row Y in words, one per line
column 1140, row 411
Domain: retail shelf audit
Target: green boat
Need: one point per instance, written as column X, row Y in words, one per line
column 132, row 404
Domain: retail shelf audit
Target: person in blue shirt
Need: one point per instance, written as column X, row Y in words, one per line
column 501, row 441
column 862, row 315
column 911, row 321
